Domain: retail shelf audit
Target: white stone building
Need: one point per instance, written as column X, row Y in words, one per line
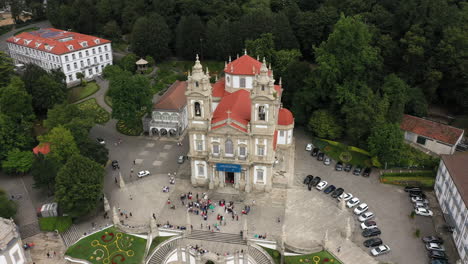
column 451, row 189
column 236, row 125
column 11, row 246
column 435, row 137
column 70, row 52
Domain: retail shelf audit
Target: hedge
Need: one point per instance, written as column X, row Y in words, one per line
column 408, row 181
column 60, row 223
column 410, row 174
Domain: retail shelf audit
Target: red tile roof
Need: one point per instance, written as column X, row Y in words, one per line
column 43, row 148
column 238, row 103
column 174, row 98
column 431, row 129
column 218, row 88
column 245, row 65
column 285, row 117
column 234, row 125
column 457, row 166
column 56, row 41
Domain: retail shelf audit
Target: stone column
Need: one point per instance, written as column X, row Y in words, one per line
column 247, row 181
column 245, row 229
column 198, row 259
column 188, row 231
column 236, row 258
column 121, row 181
column 236, row 180
column 115, row 216
column 179, row 253
column 211, row 179
column 222, row 178
column 245, row 257
column 187, row 254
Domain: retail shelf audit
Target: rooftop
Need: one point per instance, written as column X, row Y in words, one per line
column 457, row 165
column 43, row 148
column 431, row 129
column 56, row 41
column 8, row 232
column 174, row 98
column 244, row 65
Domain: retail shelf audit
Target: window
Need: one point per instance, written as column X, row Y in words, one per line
column 259, row 175
column 88, row 61
column 90, row 71
column 70, row 77
column 95, row 59
column 87, row 53
column 261, row 113
column 97, row 69
column 242, row 151
column 82, row 64
column 107, row 56
column 94, row 51
column 197, row 109
column 242, row 82
column 100, row 58
column 105, row 48
column 199, row 144
column 99, row 50
column 260, row 150
column 75, row 65
column 228, row 147
column 196, row 84
column 263, row 87
column 80, row 54
column 281, row 133
column 228, row 79
column 68, row 67
column 201, row 170
column 73, row 56
column 215, row 149
column 421, row 140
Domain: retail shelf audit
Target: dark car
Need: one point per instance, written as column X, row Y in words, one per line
column 339, row 166
column 432, row 239
column 438, row 261
column 371, row 232
column 330, row 189
column 337, row 192
column 373, row 242
column 314, row 152
column 437, row 254
column 412, row 188
column 308, row 179
column 357, row 171
column 115, row 164
column 320, row 156
column 315, row 181
column 348, row 167
column 367, row 172
column 417, row 194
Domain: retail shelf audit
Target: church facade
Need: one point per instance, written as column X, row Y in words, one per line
column 236, row 125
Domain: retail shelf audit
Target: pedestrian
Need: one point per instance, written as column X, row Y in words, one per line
column 278, row 220
column 126, row 216
column 131, row 170
column 209, row 228
column 55, row 254
column 201, row 226
column 119, row 209
column 191, row 227
column 134, row 162
column 48, row 254
column 115, row 179
column 131, row 198
column 338, row 249
column 131, row 214
column 237, row 217
column 154, row 216
column 253, row 202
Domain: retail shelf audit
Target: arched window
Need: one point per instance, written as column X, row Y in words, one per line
column 197, row 109
column 261, row 113
column 196, row 84
column 263, row 87
column 242, row 82
column 228, row 147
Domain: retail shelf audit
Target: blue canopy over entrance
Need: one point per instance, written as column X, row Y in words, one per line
column 228, row 167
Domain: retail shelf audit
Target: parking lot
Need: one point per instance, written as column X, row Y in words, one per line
column 390, row 204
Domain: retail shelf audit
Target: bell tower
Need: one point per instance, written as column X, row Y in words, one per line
column 198, row 96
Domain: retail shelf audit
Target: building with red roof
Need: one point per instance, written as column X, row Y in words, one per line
column 236, row 125
column 71, row 52
column 43, row 148
column 433, row 136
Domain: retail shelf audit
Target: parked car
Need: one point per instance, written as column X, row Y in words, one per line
column 320, row 156
column 380, row 250
column 314, row 152
column 307, row 179
column 366, row 216
column 115, row 164
column 327, row 161
column 345, row 196
column 181, row 159
column 352, row 202
column 432, row 239
column 337, row 192
column 321, row 185
column 348, row 167
column 361, row 208
column 309, row 147
column 373, row 242
column 330, row 189
column 142, row 174
column 438, row 261
column 420, row 204
column 413, row 188
column 339, row 166
column 423, row 211
column 437, row 255
column 417, row 193
column 435, row 246
column 101, row 141
column 368, row 224
column 357, row 171
column 371, row 232
column 419, row 199
column 315, row 181
column 367, row 172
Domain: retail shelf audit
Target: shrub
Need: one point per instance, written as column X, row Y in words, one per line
column 60, row 223
column 359, row 150
column 411, row 174
column 417, row 233
column 412, row 215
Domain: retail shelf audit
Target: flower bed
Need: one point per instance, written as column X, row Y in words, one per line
column 100, row 115
column 123, row 128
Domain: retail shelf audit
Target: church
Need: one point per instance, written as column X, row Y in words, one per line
column 236, row 125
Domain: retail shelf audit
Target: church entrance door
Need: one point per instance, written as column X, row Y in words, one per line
column 229, row 177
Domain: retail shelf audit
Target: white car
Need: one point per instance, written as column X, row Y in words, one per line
column 101, row 141
column 361, row 209
column 143, row 173
column 366, row 216
column 321, row 185
column 420, row 204
column 368, row 225
column 309, row 147
column 377, row 251
column 345, row 196
column 423, row 211
column 419, row 199
column 353, row 202
column 327, row 161
column 435, row 246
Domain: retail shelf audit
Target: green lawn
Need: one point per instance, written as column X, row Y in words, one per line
column 319, row 257
column 26, row 30
column 80, row 92
column 100, row 115
column 156, row 241
column 340, row 151
column 421, row 178
column 60, row 223
column 109, row 246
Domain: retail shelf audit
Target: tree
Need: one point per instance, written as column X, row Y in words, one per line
column 395, row 89
column 151, row 36
column 18, row 161
column 6, row 69
column 62, row 143
column 7, row 206
column 112, row 30
column 44, row 170
column 130, row 97
column 150, row 60
column 294, row 77
column 189, row 37
column 14, row 134
column 94, row 151
column 61, row 114
column 80, row 76
column 282, row 59
column 15, row 102
column 80, row 127
column 325, row 125
column 263, row 47
column 79, row 185
column 386, row 142
column 127, row 63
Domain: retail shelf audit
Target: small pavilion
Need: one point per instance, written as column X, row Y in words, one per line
column 142, row 65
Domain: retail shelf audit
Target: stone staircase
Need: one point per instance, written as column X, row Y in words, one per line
column 217, row 237
column 160, row 253
column 29, row 230
column 259, row 255
column 71, row 236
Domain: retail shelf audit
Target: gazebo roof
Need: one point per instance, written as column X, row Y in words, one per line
column 141, row 62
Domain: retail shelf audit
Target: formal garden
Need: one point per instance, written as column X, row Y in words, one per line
column 80, row 92
column 101, row 116
column 109, row 246
column 318, row 257
column 345, row 153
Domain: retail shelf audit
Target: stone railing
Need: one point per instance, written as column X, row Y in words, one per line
column 160, row 253
column 259, row 255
